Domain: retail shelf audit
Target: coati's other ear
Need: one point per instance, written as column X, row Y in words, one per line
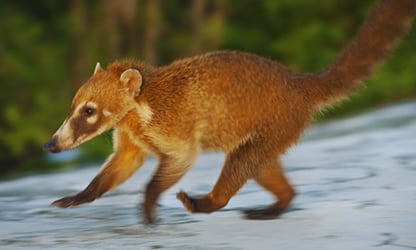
column 131, row 79
column 97, row 68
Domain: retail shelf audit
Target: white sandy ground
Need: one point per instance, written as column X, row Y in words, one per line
column 355, row 178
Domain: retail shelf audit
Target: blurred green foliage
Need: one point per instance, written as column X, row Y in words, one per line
column 48, row 48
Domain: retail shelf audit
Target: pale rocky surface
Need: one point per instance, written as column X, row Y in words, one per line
column 355, row 178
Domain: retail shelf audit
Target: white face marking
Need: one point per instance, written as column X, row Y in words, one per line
column 64, row 134
column 145, row 113
column 78, row 107
column 106, row 112
column 90, row 104
column 64, row 131
column 92, row 119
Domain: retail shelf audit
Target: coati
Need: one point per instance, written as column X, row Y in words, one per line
column 250, row 107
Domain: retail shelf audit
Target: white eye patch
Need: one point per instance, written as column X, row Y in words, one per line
column 85, row 105
column 92, row 119
column 91, row 104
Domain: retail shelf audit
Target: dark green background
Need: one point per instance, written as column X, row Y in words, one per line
column 48, row 48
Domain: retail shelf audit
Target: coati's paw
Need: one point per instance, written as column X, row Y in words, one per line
column 66, row 202
column 268, row 213
column 148, row 214
column 188, row 202
column 71, row 201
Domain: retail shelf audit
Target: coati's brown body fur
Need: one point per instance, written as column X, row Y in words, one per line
column 250, row 107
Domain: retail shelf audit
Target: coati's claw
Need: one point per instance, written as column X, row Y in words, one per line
column 71, row 201
column 149, row 217
column 65, row 202
column 269, row 213
column 187, row 201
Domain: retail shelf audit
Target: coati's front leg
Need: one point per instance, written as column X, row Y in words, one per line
column 118, row 168
column 169, row 172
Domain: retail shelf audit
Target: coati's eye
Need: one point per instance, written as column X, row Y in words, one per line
column 89, row 111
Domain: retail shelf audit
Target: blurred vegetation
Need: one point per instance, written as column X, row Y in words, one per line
column 49, row 48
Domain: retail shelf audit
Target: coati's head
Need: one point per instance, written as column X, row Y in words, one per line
column 97, row 107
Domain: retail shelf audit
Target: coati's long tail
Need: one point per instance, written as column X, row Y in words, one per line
column 386, row 23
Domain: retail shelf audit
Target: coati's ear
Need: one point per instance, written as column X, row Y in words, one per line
column 97, row 68
column 131, row 79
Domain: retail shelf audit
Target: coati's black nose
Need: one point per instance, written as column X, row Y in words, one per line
column 51, row 146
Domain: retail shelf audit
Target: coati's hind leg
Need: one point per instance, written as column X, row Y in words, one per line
column 240, row 165
column 272, row 178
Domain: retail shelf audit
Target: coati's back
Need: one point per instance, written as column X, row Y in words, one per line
column 225, row 98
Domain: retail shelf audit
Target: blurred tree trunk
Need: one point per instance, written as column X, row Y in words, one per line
column 78, row 10
column 119, row 27
column 107, row 26
column 216, row 23
column 197, row 20
column 206, row 27
column 152, row 31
